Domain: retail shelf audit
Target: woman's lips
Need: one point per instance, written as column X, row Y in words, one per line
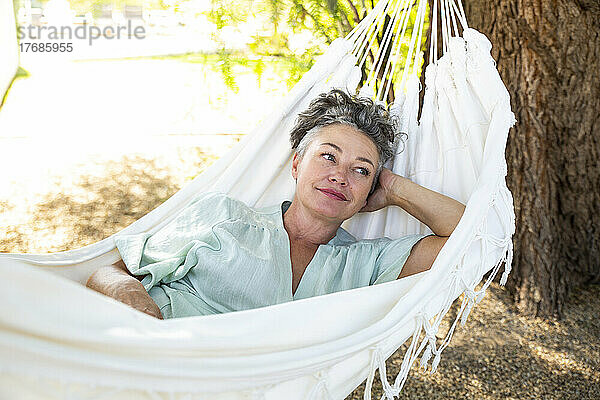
column 333, row 194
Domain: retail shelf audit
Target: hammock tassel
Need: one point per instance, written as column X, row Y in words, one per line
column 466, row 312
column 436, row 361
column 371, row 377
column 385, row 385
column 426, row 356
column 507, row 263
column 504, row 277
column 480, row 296
column 406, row 362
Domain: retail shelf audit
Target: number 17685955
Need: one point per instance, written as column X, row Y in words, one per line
column 46, row 47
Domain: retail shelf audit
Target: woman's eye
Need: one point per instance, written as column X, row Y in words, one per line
column 363, row 171
column 328, row 156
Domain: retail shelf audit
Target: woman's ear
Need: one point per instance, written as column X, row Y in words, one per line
column 295, row 163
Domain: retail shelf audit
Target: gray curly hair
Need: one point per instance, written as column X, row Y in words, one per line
column 338, row 107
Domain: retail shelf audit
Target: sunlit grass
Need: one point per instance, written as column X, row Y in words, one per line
column 96, row 199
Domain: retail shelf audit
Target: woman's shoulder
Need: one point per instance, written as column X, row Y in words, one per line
column 212, row 207
column 209, row 197
column 216, row 201
column 343, row 238
column 233, row 209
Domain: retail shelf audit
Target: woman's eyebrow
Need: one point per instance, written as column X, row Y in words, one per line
column 335, row 146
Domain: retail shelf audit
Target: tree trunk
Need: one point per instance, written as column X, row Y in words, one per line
column 548, row 54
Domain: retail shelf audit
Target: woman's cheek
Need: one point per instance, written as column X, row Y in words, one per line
column 366, row 185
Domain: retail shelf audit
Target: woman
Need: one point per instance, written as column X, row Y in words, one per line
column 218, row 255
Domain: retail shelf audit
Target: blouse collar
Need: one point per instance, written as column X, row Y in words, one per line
column 275, row 214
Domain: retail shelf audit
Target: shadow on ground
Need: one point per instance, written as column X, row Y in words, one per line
column 84, row 209
column 500, row 354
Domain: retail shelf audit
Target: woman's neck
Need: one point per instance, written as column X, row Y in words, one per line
column 307, row 229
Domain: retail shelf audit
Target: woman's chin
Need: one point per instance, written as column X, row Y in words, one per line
column 335, row 209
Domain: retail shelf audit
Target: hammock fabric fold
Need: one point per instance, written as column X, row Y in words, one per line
column 60, row 340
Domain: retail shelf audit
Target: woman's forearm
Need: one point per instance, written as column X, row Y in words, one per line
column 114, row 281
column 108, row 279
column 440, row 213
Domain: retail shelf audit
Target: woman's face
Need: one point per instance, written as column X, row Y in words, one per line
column 335, row 174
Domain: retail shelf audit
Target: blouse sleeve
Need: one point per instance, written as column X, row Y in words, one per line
column 168, row 254
column 392, row 256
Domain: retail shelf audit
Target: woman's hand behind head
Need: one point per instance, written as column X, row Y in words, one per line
column 384, row 192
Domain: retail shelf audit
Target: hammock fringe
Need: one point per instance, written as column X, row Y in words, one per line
column 471, row 297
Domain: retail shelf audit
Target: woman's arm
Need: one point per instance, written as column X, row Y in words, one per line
column 116, row 282
column 440, row 213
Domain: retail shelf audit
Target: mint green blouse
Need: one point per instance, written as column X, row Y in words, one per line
column 219, row 255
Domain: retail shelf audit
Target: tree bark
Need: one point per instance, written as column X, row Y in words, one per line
column 548, row 54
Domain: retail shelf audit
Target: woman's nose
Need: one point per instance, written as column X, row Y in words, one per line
column 338, row 177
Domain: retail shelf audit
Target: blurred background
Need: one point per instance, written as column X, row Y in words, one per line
column 94, row 138
column 197, row 76
column 174, row 83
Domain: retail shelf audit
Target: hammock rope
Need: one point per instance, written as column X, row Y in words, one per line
column 456, row 148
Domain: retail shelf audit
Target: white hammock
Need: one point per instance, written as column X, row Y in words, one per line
column 59, row 340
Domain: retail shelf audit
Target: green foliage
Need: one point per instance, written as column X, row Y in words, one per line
column 22, row 73
column 298, row 65
column 225, row 66
column 328, row 19
column 294, row 31
column 284, row 20
column 95, row 6
column 228, row 12
column 324, row 20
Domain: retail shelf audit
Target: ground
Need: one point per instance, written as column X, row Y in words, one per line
column 499, row 354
